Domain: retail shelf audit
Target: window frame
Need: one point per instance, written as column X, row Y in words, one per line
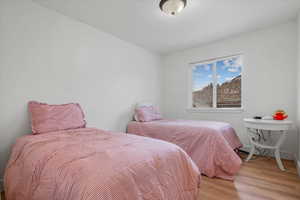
column 213, row 109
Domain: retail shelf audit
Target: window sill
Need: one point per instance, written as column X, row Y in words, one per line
column 215, row 110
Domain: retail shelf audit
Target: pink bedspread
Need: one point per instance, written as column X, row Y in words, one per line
column 91, row 164
column 210, row 144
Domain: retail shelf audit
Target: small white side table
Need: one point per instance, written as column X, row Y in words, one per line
column 274, row 127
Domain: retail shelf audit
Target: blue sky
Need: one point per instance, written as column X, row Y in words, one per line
column 226, row 71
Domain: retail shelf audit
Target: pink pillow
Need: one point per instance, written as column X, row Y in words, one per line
column 46, row 118
column 147, row 114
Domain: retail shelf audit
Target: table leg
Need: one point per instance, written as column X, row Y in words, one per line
column 277, row 150
column 278, row 160
column 252, row 151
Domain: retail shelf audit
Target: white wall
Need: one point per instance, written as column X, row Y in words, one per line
column 269, row 77
column 298, row 92
column 51, row 58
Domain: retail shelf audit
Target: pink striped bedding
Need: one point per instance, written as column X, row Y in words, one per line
column 210, row 144
column 92, row 164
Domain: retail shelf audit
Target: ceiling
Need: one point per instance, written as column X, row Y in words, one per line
column 141, row 22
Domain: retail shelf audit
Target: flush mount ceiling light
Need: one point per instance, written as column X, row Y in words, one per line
column 172, row 7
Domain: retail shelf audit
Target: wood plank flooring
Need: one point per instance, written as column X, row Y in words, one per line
column 258, row 179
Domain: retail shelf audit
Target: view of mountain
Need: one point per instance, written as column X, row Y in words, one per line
column 228, row 94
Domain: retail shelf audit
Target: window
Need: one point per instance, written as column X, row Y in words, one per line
column 217, row 83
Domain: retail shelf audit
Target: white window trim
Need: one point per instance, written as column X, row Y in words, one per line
column 214, row 109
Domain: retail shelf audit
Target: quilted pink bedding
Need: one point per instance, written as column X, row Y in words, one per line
column 92, row 164
column 210, row 144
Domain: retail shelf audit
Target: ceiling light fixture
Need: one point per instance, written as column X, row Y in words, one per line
column 172, row 7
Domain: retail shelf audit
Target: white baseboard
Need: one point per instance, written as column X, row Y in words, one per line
column 283, row 154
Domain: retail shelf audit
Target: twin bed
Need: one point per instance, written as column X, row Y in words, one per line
column 211, row 145
column 92, row 164
column 64, row 160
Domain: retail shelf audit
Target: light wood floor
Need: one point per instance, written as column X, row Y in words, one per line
column 259, row 179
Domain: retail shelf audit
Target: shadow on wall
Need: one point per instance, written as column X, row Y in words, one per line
column 12, row 128
column 121, row 124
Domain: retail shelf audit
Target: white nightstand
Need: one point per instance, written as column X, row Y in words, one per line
column 273, row 127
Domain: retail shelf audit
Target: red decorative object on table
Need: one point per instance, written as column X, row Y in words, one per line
column 280, row 115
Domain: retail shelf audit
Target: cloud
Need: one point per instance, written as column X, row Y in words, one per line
column 233, row 69
column 199, row 86
column 207, row 67
column 210, row 76
column 226, row 63
column 229, row 78
column 237, row 62
column 232, row 63
column 197, row 75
